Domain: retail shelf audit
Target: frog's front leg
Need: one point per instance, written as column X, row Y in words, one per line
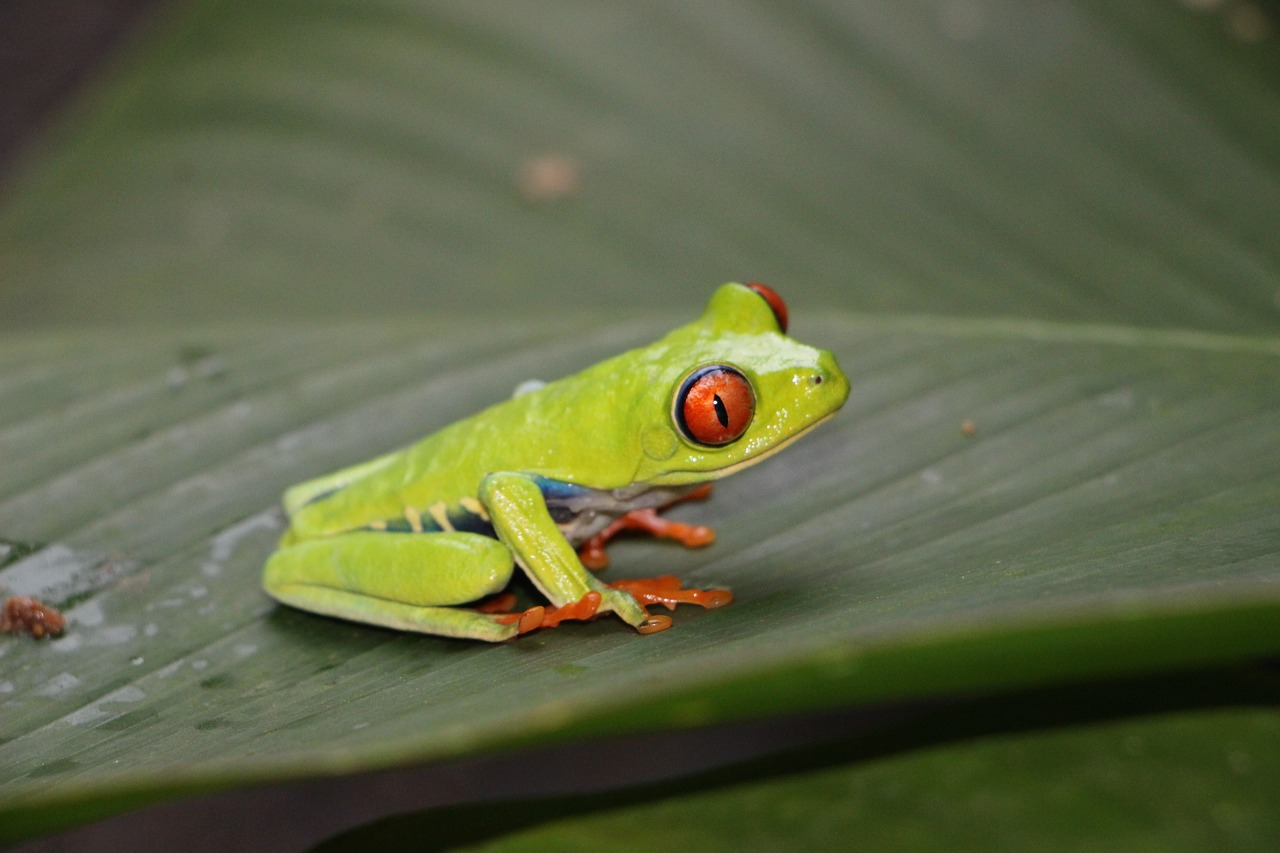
column 406, row 581
column 518, row 511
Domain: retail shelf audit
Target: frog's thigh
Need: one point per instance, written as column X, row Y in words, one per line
column 405, row 581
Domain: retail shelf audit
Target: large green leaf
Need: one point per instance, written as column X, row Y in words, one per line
column 1054, row 221
column 1114, row 513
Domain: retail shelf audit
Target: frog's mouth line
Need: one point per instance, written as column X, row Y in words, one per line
column 786, row 442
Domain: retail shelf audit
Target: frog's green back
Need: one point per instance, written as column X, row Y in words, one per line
column 567, row 430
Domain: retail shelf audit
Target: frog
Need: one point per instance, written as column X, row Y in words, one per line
column 428, row 538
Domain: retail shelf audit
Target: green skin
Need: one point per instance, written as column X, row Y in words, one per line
column 539, row 474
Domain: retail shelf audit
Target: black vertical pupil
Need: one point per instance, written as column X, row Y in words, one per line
column 722, row 414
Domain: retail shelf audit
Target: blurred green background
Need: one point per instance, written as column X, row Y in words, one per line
column 1068, row 160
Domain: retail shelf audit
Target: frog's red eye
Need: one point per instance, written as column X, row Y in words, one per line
column 715, row 405
column 775, row 302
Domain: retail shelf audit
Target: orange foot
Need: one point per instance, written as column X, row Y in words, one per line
column 666, row 590
column 592, row 551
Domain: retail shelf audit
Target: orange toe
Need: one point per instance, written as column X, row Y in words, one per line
column 666, row 590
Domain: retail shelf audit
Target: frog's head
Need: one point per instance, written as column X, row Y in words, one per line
column 733, row 389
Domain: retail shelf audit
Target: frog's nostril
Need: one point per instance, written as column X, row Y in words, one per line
column 817, row 379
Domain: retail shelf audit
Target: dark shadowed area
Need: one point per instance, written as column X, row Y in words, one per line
column 47, row 51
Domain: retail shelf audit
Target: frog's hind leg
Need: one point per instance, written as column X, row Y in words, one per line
column 405, row 581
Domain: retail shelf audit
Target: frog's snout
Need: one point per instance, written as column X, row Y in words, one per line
column 829, row 386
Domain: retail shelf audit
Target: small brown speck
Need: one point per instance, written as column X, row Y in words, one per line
column 24, row 615
column 968, row 428
column 550, row 178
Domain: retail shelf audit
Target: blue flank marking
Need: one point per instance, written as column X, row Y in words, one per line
column 557, row 493
column 468, row 522
column 558, row 490
column 462, row 521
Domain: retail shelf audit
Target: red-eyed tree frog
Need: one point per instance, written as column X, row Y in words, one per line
column 427, row 538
